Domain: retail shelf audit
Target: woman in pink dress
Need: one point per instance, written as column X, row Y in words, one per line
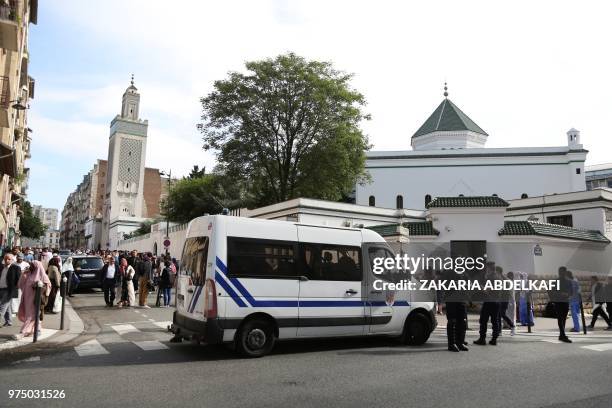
column 27, row 308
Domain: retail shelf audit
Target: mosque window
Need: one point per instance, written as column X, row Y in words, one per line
column 427, row 200
column 494, row 195
column 578, row 170
column 524, row 195
column 372, row 201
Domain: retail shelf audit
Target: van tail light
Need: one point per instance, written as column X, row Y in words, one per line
column 210, row 299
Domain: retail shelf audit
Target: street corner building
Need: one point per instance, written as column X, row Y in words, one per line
column 119, row 193
column 16, row 91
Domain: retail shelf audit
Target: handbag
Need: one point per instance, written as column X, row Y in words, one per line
column 57, row 305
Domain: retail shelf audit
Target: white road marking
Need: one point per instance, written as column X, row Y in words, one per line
column 124, row 328
column 28, row 360
column 150, row 345
column 152, row 320
column 144, row 315
column 162, row 325
column 599, row 347
column 90, row 348
column 120, row 323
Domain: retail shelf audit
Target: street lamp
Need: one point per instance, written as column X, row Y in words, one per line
column 169, row 174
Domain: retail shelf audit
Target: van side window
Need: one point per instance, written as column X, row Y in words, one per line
column 330, row 262
column 377, row 253
column 254, row 258
column 193, row 263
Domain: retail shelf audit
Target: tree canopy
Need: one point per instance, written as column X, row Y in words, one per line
column 287, row 128
column 193, row 197
column 30, row 225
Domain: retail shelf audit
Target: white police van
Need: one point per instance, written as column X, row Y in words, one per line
column 252, row 282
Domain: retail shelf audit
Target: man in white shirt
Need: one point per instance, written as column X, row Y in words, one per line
column 109, row 281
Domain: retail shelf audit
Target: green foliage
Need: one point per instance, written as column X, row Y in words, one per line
column 193, row 197
column 196, row 172
column 288, row 128
column 30, row 225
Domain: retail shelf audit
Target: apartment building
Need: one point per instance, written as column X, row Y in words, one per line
column 48, row 216
column 16, row 91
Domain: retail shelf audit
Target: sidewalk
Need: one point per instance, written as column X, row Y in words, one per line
column 50, row 332
column 541, row 325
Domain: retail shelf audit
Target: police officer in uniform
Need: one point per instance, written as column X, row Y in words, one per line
column 456, row 313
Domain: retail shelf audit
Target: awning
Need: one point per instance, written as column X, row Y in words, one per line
column 8, row 164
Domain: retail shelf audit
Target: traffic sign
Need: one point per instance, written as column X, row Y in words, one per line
column 167, row 243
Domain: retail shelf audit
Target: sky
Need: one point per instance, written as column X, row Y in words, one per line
column 524, row 71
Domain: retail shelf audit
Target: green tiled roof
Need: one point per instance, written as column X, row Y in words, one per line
column 414, row 229
column 468, row 201
column 448, row 117
column 551, row 230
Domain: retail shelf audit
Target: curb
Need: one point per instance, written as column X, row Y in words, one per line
column 75, row 327
column 52, row 336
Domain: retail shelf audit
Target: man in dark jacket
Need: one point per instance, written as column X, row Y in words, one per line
column 489, row 310
column 9, row 279
column 561, row 299
column 146, row 275
column 109, row 281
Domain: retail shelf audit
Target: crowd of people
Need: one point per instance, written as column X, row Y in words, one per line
column 500, row 308
column 126, row 274
column 123, row 276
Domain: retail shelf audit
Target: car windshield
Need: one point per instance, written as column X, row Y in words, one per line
column 87, row 263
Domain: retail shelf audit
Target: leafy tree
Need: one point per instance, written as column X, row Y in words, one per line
column 287, row 128
column 209, row 194
column 30, row 225
column 196, row 172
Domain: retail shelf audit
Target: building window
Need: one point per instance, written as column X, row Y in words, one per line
column 578, row 170
column 399, row 202
column 427, row 200
column 565, row 220
column 524, row 195
column 372, row 201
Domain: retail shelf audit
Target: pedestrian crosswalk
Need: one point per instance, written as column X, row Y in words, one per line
column 149, row 336
column 591, row 342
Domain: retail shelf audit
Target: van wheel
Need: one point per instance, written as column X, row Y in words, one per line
column 255, row 338
column 416, row 331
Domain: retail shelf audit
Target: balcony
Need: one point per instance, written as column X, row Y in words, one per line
column 9, row 28
column 5, row 100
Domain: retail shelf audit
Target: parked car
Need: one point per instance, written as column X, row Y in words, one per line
column 88, row 269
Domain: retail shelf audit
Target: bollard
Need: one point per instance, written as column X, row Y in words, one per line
column 37, row 295
column 69, row 287
column 63, row 293
column 584, row 329
column 529, row 321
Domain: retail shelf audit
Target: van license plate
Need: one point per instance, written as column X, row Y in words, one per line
column 88, row 275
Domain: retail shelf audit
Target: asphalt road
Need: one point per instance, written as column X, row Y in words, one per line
column 125, row 359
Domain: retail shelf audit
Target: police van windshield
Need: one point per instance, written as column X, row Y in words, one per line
column 193, row 263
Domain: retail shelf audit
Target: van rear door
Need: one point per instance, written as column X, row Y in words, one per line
column 331, row 300
column 192, row 277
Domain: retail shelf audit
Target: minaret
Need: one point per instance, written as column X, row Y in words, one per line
column 573, row 138
column 124, row 201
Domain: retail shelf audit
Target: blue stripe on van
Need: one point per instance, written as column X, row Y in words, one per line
column 195, row 298
column 191, row 301
column 229, row 290
column 285, row 303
